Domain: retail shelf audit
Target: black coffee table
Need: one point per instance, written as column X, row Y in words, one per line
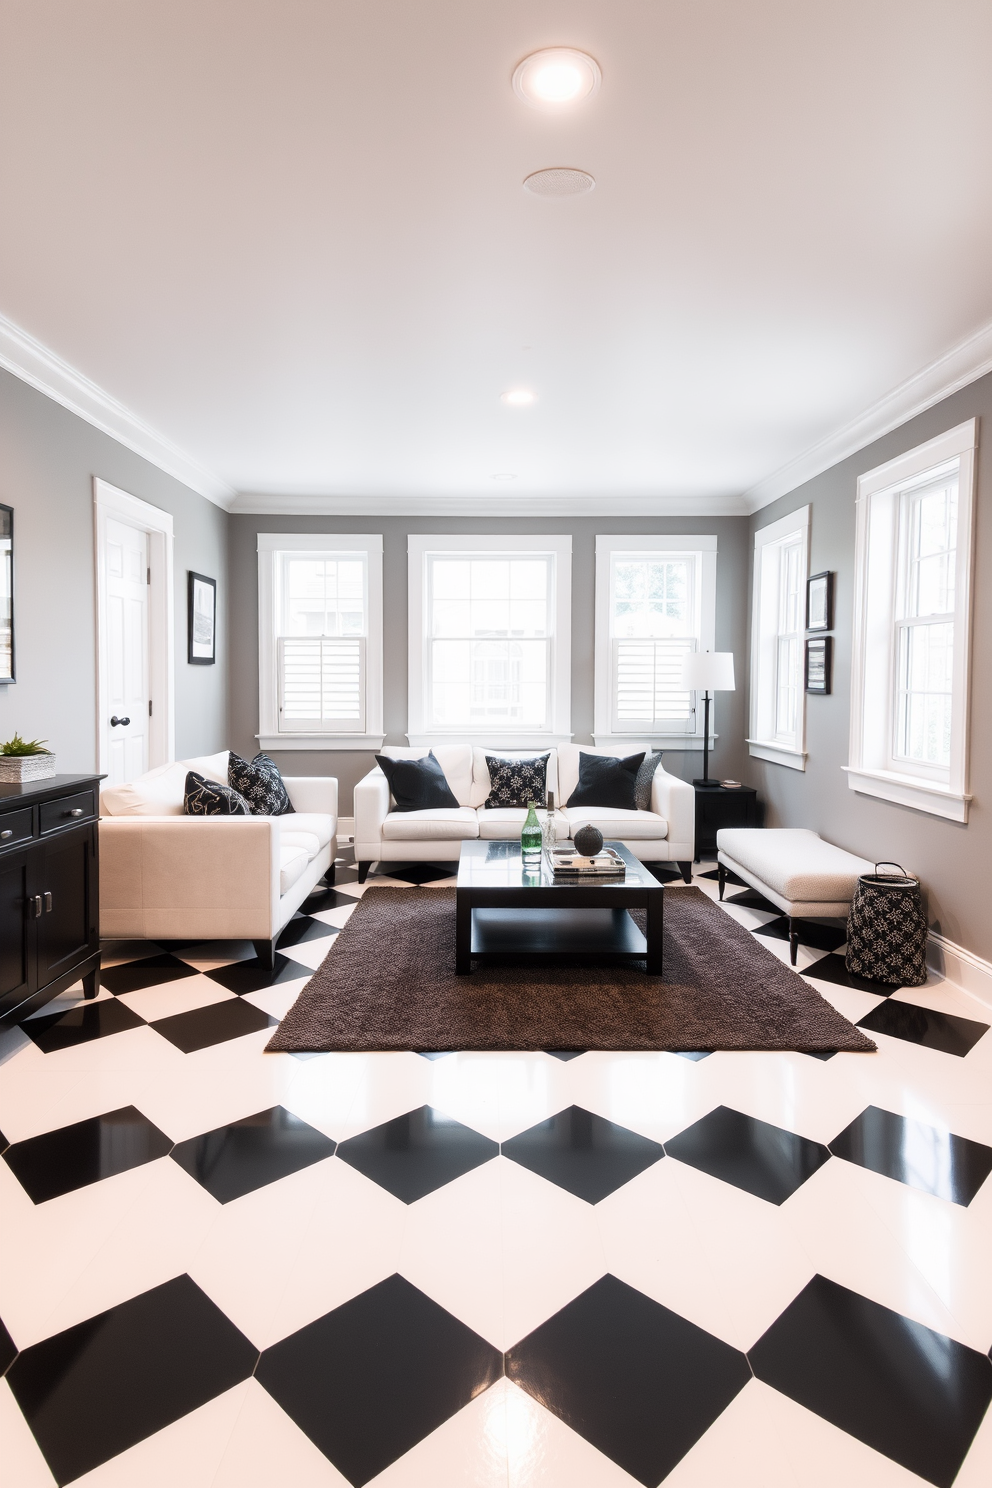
column 505, row 912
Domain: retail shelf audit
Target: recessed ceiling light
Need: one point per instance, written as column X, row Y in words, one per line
column 559, row 180
column 556, row 77
column 518, row 397
column 504, row 475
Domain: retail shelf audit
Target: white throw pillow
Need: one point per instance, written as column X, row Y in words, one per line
column 161, row 791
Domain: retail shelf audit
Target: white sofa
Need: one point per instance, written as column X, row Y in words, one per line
column 666, row 833
column 164, row 875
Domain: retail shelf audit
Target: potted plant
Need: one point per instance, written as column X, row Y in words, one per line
column 25, row 759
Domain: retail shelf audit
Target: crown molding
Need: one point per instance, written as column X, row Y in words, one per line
column 34, row 364
column 963, row 364
column 259, row 504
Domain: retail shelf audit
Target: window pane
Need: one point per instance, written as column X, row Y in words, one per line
column 926, row 658
column 653, row 597
column 323, row 596
column 503, row 681
column 932, row 544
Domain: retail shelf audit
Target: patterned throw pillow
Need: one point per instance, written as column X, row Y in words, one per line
column 261, row 785
column 209, row 798
column 645, row 780
column 516, row 782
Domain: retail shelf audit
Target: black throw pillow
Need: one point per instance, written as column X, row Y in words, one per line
column 645, row 780
column 261, row 785
column 204, row 797
column 416, row 784
column 516, row 782
column 605, row 781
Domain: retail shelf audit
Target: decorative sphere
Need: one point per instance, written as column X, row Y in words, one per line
column 588, row 841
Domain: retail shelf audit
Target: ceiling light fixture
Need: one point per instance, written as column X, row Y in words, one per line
column 556, row 77
column 518, row 397
column 504, row 475
column 559, row 180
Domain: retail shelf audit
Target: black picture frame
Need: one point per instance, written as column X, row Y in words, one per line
column 820, row 601
column 819, row 657
column 201, row 619
column 8, row 670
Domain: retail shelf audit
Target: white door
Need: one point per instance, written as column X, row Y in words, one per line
column 125, row 723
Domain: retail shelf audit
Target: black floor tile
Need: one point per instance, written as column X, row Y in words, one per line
column 414, row 1154
column 8, row 1350
column 823, row 1054
column 817, row 934
column 908, row 1392
column 213, row 1024
column 132, row 976
column 371, row 1379
column 247, row 1154
column 664, row 872
column 917, row 1025
column 302, row 928
column 714, row 873
column 415, row 873
column 762, row 1159
column 750, row 899
column 90, row 1020
column 565, row 1054
column 921, row 1156
column 56, row 1162
column 105, row 1384
column 831, row 968
column 583, row 1153
column 636, row 1380
column 251, row 976
column 323, row 899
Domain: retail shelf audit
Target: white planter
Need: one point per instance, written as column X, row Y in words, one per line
column 16, row 768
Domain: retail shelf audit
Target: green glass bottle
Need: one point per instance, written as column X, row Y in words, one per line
column 531, row 837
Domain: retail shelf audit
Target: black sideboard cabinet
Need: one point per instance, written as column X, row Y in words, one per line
column 49, row 891
column 723, row 806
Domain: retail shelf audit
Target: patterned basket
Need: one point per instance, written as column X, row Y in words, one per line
column 887, row 929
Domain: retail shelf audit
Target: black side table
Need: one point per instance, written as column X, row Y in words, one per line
column 723, row 806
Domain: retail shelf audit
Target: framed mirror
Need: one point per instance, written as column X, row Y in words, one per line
column 6, row 594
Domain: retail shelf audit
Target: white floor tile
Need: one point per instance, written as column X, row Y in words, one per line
column 657, row 1095
column 267, row 1449
column 742, row 1448
column 453, row 1249
column 311, row 953
column 188, row 1452
column 468, row 1451
column 169, row 998
column 543, row 1452
column 823, row 1456
column 23, row 1464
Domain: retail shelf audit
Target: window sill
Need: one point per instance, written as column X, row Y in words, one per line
column 314, row 743
column 777, row 754
column 907, row 790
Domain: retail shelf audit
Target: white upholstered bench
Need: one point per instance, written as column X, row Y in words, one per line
column 803, row 876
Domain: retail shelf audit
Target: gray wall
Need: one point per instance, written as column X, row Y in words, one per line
column 48, row 457
column 350, row 766
column 953, row 859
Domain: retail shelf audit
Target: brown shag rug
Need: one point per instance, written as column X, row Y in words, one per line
column 389, row 983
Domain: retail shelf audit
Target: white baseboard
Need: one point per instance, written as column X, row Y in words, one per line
column 963, row 968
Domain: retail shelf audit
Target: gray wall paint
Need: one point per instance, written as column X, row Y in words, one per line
column 350, row 766
column 48, row 457
column 953, row 859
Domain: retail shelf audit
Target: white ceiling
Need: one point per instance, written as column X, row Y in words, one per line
column 291, row 236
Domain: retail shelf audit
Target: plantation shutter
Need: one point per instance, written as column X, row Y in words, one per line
column 321, row 684
column 647, row 692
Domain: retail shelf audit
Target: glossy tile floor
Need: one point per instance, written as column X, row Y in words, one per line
column 229, row 1269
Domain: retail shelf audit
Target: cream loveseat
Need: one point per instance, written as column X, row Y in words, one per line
column 164, row 875
column 666, row 833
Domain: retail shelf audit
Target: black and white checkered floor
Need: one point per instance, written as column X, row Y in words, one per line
column 229, row 1269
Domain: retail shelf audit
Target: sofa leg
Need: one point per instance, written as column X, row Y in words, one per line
column 721, row 877
column 793, row 942
column 685, row 868
column 329, row 877
column 363, row 871
column 265, row 950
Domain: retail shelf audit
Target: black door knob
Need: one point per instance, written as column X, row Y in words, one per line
column 115, row 721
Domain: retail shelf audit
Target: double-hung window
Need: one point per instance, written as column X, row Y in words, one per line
column 489, row 638
column 320, row 640
column 912, row 624
column 655, row 601
column 778, row 714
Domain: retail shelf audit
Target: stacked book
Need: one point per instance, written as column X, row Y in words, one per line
column 605, row 864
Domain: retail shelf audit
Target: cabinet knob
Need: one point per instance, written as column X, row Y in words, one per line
column 48, row 901
column 6, row 833
column 36, row 901
column 76, row 811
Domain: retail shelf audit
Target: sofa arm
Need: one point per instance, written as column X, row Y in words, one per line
column 675, row 800
column 371, row 809
column 313, row 793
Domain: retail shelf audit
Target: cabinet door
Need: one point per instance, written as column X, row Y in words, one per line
column 18, row 930
column 65, row 878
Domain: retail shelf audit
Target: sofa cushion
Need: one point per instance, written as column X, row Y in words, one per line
column 319, row 824
column 162, row 791
column 444, row 824
column 481, row 784
column 210, row 798
column 504, row 823
column 627, row 825
column 795, row 863
column 292, row 862
column 309, row 842
column 606, row 781
column 261, row 784
column 455, row 760
column 516, row 782
column 417, row 785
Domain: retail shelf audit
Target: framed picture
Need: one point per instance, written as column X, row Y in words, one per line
column 818, row 657
column 820, row 602
column 6, row 594
column 202, row 620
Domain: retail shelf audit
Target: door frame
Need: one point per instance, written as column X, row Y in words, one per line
column 111, row 501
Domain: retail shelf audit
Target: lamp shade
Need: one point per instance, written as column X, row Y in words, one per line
column 708, row 671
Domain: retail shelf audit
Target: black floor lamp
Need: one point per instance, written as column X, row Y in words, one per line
column 706, row 672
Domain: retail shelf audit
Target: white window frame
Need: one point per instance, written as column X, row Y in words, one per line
column 559, row 547
column 608, row 547
column 880, row 495
column 764, row 741
column 369, row 546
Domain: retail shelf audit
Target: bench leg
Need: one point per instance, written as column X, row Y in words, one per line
column 722, row 877
column 793, row 941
